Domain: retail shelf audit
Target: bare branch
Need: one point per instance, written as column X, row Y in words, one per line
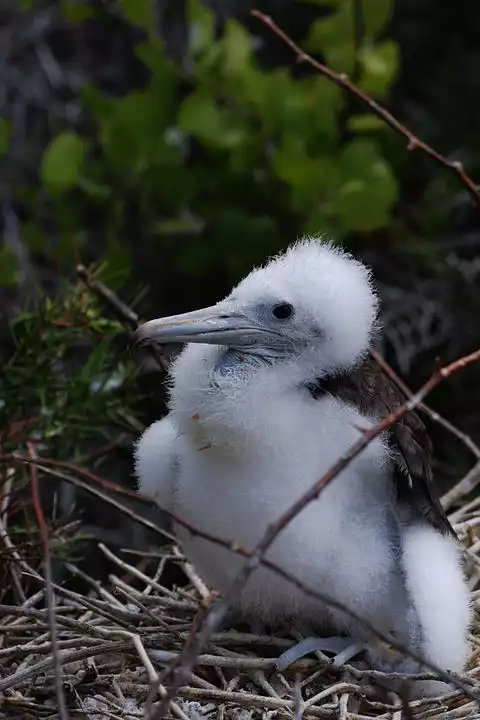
column 62, row 707
column 124, row 313
column 433, row 414
column 343, row 81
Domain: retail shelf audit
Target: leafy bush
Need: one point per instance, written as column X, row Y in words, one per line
column 219, row 157
column 69, row 382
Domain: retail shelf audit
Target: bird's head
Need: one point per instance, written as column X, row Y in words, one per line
column 314, row 301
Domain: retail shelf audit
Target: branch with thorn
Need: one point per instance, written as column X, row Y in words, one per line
column 344, row 82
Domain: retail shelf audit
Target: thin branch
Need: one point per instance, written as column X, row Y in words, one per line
column 433, row 414
column 39, row 462
column 50, row 595
column 123, row 312
column 5, row 538
column 181, row 670
column 24, row 673
column 191, row 574
column 472, row 479
column 462, row 488
column 345, row 83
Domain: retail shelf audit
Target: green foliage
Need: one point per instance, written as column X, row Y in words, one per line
column 232, row 159
column 66, row 380
column 139, row 12
column 379, row 66
column 8, row 266
column 62, row 162
column 77, row 10
column 68, row 391
column 368, row 187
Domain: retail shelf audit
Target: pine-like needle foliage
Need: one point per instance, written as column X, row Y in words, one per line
column 67, row 390
column 69, row 381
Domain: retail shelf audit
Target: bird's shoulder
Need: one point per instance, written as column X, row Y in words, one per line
column 374, row 394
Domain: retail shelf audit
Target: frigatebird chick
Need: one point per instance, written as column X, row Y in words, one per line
column 274, row 384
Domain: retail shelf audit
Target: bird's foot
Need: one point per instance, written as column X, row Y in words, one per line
column 343, row 648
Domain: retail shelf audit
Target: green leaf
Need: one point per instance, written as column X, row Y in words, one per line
column 201, row 116
column 96, row 361
column 237, row 46
column 93, row 189
column 117, row 261
column 375, row 14
column 312, row 176
column 179, row 226
column 379, row 67
column 139, row 12
column 365, row 123
column 62, row 161
column 334, row 37
column 5, row 134
column 8, row 267
column 306, row 107
column 33, row 236
column 368, row 189
column 133, row 132
column 202, row 27
column 99, row 105
column 77, row 10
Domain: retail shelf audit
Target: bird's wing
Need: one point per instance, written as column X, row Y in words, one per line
column 157, row 462
column 408, row 437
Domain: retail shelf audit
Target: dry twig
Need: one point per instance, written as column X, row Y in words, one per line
column 124, row 313
column 50, row 595
column 433, row 414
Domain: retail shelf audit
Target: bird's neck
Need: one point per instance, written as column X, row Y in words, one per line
column 238, row 366
column 222, row 396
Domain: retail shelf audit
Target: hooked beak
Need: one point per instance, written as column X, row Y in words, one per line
column 212, row 325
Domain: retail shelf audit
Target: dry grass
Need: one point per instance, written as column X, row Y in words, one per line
column 115, row 641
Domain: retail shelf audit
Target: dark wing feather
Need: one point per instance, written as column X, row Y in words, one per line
column 375, row 394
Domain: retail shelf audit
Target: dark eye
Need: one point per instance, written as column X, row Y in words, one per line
column 282, row 311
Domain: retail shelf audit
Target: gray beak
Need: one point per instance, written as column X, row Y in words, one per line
column 212, row 325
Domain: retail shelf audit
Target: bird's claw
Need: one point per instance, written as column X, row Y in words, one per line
column 343, row 648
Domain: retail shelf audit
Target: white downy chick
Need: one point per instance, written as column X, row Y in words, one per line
column 270, row 390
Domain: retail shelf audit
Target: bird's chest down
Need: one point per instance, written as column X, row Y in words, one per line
column 342, row 543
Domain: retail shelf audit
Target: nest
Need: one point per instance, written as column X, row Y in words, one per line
column 115, row 644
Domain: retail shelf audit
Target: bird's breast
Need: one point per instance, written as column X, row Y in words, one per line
column 235, row 491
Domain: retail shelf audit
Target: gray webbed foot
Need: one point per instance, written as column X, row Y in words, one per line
column 343, row 648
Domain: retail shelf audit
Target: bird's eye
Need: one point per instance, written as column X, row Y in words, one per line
column 282, row 311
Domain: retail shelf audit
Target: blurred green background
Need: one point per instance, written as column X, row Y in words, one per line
column 181, row 143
